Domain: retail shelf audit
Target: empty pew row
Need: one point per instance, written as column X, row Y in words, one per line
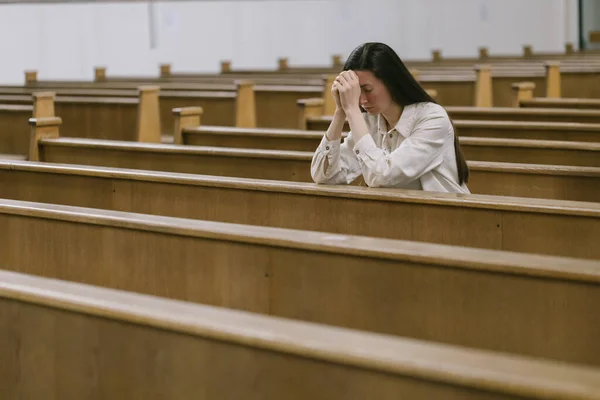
column 504, row 179
column 309, row 275
column 132, row 119
column 479, row 88
column 147, row 347
column 437, row 62
column 501, row 223
column 241, row 104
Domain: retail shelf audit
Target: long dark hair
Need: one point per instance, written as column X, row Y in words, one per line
column 404, row 89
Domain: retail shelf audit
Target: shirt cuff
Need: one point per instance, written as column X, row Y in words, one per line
column 328, row 146
column 364, row 146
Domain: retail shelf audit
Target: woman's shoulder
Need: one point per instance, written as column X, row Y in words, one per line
column 429, row 109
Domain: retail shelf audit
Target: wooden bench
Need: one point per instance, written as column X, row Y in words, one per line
column 306, row 275
column 143, row 346
column 524, row 114
column 14, row 129
column 501, row 223
column 564, row 131
column 475, row 149
column 589, row 104
column 504, row 179
column 479, row 86
column 242, row 104
column 110, row 118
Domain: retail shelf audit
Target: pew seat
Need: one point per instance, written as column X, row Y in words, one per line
column 147, row 347
column 504, row 179
column 288, row 273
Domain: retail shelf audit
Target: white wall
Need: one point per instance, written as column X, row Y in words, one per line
column 66, row 41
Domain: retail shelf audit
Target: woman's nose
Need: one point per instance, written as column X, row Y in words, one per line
column 362, row 99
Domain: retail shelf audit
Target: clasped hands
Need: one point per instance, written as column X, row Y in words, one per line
column 346, row 92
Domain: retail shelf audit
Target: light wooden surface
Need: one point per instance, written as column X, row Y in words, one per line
column 502, row 223
column 504, row 179
column 203, row 350
column 14, row 129
column 577, row 103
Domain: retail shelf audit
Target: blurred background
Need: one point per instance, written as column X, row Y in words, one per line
column 66, row 40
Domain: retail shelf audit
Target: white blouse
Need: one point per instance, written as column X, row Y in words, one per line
column 418, row 153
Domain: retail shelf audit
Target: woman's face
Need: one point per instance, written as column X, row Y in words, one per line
column 375, row 97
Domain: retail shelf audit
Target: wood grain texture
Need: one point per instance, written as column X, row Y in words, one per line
column 177, row 350
column 503, row 223
column 521, row 180
column 14, row 129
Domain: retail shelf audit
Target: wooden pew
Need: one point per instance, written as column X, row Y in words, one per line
column 460, row 88
column 289, row 273
column 566, row 131
column 575, row 132
column 270, row 106
column 524, row 114
column 110, row 118
column 504, row 179
column 502, row 223
column 14, row 130
column 147, row 347
column 589, row 104
column 524, row 151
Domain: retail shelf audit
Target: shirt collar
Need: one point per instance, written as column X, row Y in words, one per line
column 403, row 126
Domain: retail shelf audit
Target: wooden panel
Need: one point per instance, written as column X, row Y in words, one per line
column 167, row 349
column 272, row 139
column 503, row 93
column 452, row 93
column 210, row 162
column 474, row 221
column 520, row 114
column 529, row 130
column 399, row 288
column 99, row 120
column 218, row 111
column 583, row 85
column 542, row 185
column 14, row 129
column 278, row 109
column 577, row 103
column 522, row 180
column 582, row 154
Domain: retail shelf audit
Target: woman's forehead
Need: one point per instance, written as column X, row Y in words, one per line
column 366, row 77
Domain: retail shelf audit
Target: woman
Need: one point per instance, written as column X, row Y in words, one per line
column 399, row 136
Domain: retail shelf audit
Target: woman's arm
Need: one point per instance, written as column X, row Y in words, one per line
column 334, row 163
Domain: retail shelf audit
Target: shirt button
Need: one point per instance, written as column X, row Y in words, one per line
column 391, row 134
column 327, row 148
column 357, row 151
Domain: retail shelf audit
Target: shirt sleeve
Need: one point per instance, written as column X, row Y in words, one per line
column 335, row 163
column 418, row 154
